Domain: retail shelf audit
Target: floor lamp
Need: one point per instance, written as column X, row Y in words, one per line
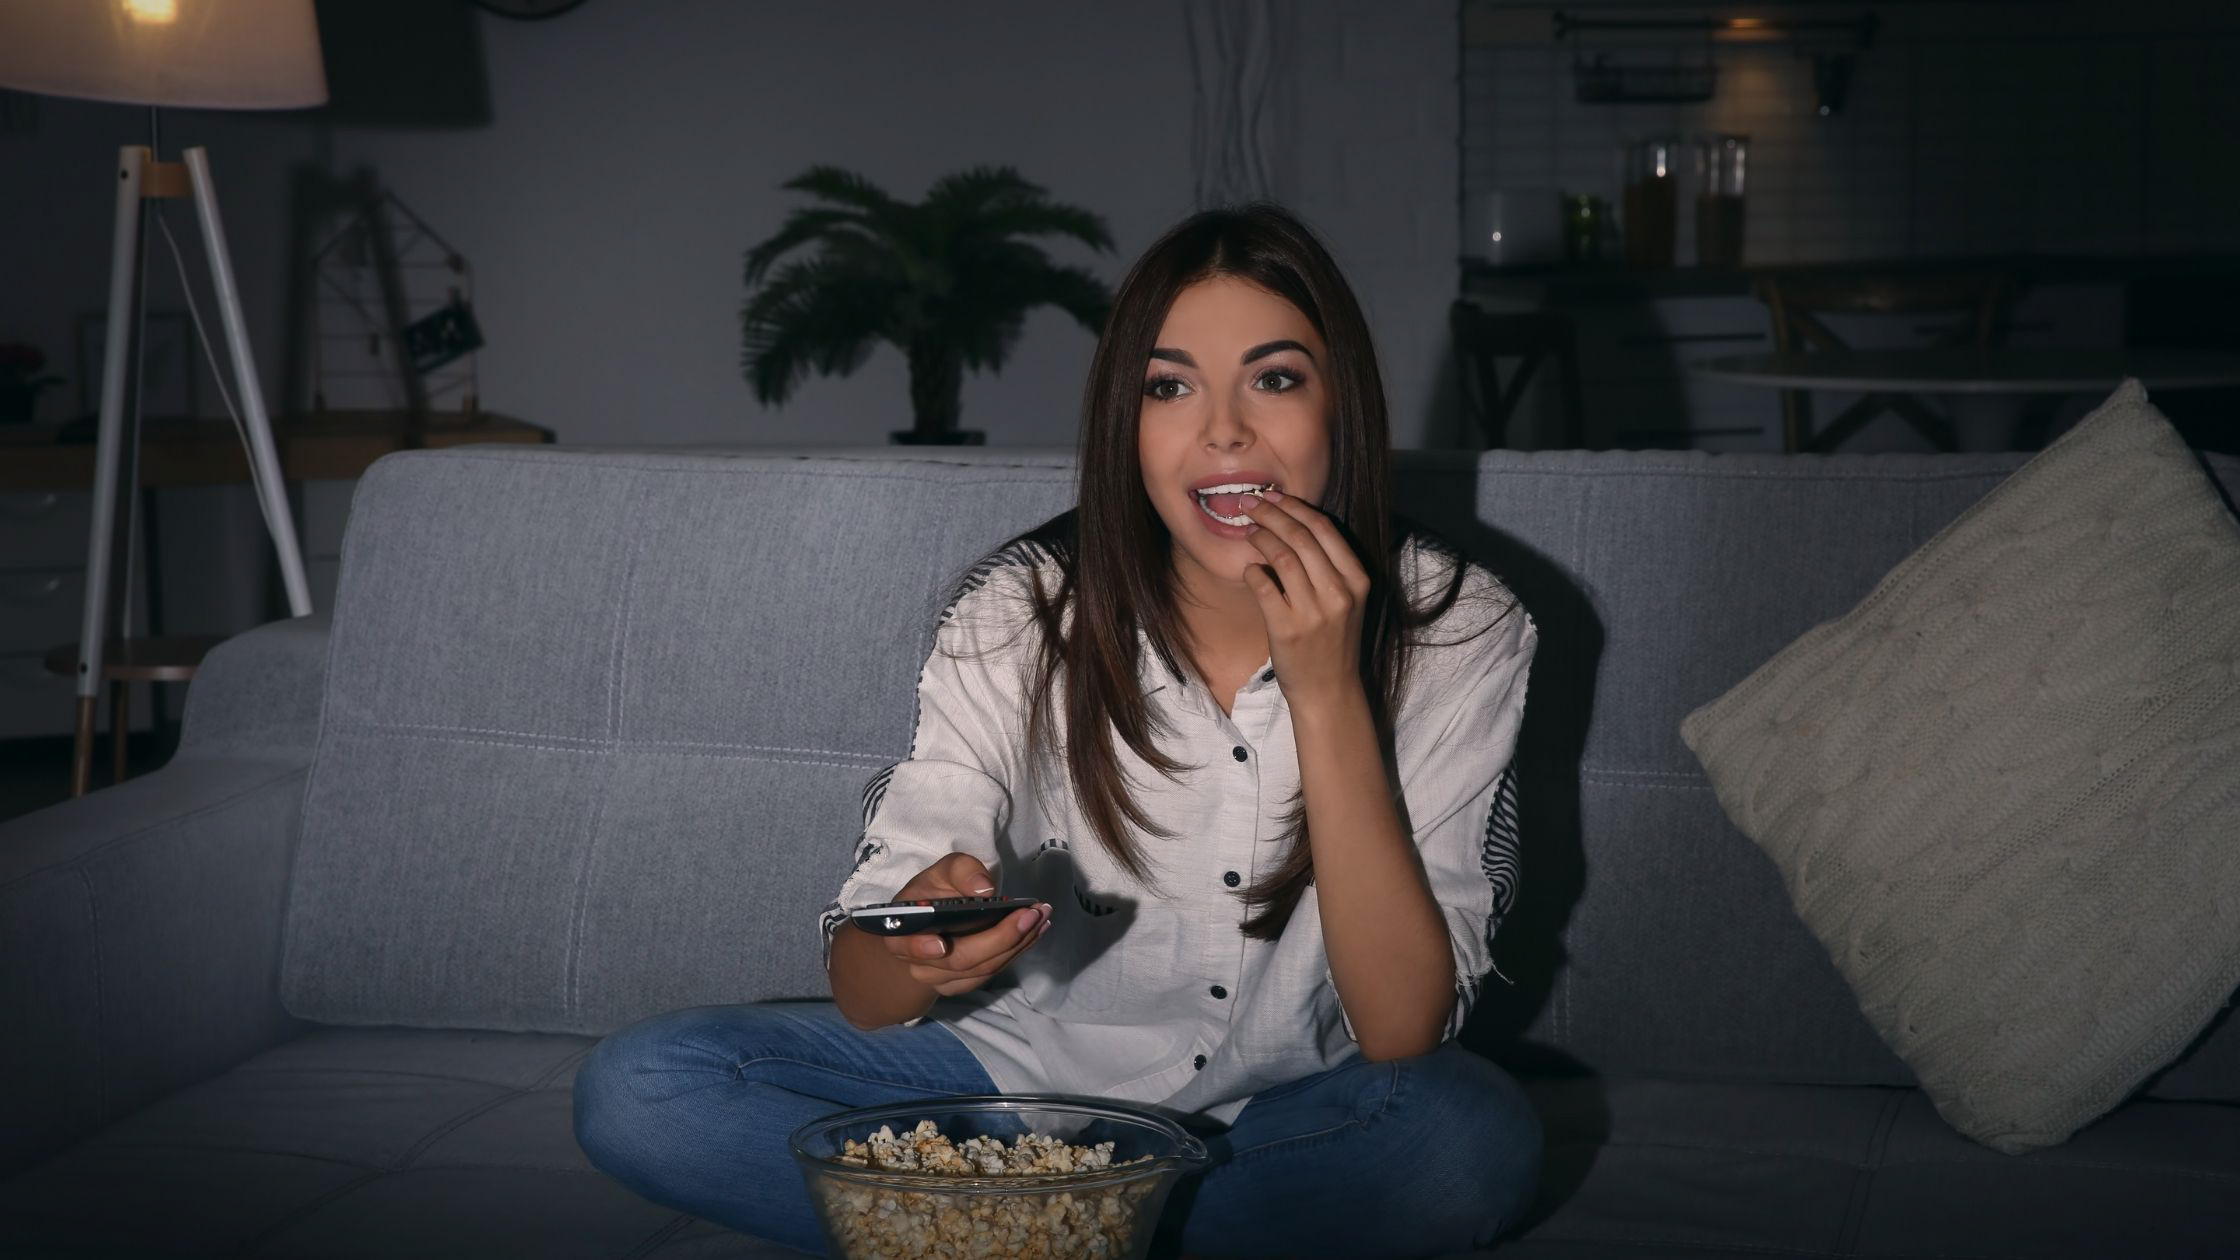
column 204, row 54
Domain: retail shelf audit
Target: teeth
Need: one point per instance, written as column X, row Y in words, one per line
column 1235, row 487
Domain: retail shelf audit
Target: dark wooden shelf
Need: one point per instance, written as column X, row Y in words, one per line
column 335, row 445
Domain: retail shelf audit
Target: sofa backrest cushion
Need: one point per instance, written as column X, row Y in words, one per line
column 597, row 725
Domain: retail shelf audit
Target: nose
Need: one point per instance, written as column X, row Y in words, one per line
column 1225, row 427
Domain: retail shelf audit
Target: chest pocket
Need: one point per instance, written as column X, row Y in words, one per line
column 1081, row 966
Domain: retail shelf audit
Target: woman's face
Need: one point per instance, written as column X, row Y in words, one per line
column 1233, row 397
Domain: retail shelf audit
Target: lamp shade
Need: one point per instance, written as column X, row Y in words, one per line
column 207, row 54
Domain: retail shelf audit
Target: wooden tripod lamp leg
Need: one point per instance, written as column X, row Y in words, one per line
column 81, row 752
column 120, row 726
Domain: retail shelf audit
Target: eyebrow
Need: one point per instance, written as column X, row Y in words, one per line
column 1261, row 351
column 1267, row 348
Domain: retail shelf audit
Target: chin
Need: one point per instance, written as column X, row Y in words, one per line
column 1229, row 561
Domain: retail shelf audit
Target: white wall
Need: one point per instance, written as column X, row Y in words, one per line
column 634, row 153
column 1377, row 154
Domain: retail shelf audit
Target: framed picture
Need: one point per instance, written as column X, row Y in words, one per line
column 168, row 364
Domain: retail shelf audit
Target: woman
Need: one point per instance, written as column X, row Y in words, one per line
column 1248, row 744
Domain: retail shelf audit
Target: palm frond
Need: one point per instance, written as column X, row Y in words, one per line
column 967, row 191
column 844, row 187
column 1010, row 279
column 1044, row 218
column 805, row 227
column 820, row 315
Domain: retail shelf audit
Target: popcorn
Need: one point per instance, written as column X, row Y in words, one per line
column 1038, row 1220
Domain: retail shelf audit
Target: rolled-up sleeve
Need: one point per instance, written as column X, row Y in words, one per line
column 1458, row 784
column 952, row 794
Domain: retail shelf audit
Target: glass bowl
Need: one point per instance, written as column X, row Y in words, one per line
column 1106, row 1213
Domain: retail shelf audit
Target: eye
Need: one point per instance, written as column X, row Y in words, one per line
column 1284, row 380
column 1165, row 388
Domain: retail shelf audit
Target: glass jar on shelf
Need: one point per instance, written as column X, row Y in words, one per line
column 1652, row 200
column 1720, row 167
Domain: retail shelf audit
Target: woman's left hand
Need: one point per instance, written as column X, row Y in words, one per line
column 1313, row 601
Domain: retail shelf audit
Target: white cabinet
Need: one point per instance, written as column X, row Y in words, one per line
column 217, row 577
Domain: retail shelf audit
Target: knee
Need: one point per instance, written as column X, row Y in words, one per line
column 621, row 1085
column 1485, row 1139
column 605, row 1110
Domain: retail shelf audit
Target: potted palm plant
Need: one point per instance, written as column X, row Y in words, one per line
column 21, row 382
column 948, row 281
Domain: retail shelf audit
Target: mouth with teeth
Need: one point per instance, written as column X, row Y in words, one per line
column 1225, row 503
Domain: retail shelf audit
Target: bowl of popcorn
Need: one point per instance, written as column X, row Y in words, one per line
column 1018, row 1176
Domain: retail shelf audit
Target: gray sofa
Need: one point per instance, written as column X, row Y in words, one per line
column 583, row 739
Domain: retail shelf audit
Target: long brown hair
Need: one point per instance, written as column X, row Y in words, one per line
column 1115, row 554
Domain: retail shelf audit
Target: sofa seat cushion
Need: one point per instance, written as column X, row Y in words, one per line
column 1642, row 1167
column 356, row 1142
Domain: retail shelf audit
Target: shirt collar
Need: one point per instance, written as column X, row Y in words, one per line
column 1157, row 677
column 1153, row 671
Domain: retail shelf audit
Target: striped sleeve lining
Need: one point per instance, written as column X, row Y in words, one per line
column 1498, row 856
column 1023, row 553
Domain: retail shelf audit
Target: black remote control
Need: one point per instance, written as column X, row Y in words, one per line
column 958, row 915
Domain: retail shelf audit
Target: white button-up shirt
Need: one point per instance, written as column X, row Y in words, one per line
column 1153, row 995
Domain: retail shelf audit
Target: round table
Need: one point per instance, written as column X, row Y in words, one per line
column 2003, row 370
column 165, row 658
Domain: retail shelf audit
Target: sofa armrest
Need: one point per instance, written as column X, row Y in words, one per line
column 140, row 926
column 259, row 691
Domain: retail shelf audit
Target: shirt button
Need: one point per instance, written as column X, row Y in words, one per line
column 1238, row 753
column 1198, row 1063
column 1270, row 676
column 1231, row 878
column 1219, row 992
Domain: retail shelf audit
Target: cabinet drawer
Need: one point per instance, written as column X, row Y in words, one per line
column 44, row 530
column 40, row 608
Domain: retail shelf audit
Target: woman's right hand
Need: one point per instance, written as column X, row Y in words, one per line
column 954, row 964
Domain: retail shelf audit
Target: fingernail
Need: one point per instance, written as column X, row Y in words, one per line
column 982, row 892
column 1026, row 926
column 1248, row 502
column 933, row 945
column 1273, row 493
column 1045, row 930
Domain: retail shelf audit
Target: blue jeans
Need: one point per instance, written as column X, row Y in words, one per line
column 1412, row 1157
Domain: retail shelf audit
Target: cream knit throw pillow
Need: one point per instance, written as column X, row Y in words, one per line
column 2004, row 791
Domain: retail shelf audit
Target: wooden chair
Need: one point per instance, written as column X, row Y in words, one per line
column 1482, row 339
column 1795, row 303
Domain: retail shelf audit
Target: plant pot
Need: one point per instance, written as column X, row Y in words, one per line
column 953, row 437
